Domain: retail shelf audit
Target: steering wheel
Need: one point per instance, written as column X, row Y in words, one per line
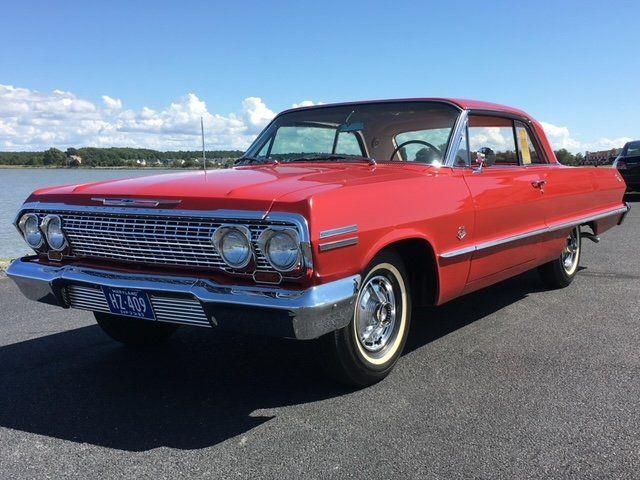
column 408, row 142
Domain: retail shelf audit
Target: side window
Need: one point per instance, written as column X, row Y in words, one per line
column 526, row 148
column 427, row 146
column 492, row 139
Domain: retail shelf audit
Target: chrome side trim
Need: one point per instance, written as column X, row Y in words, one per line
column 347, row 242
column 339, row 231
column 590, row 218
column 457, row 252
column 532, row 233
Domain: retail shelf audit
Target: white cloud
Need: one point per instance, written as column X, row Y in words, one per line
column 32, row 120
column 560, row 137
column 256, row 113
column 112, row 103
column 305, row 103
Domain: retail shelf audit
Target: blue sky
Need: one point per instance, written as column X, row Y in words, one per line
column 573, row 64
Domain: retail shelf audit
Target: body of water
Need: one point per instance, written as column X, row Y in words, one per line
column 17, row 184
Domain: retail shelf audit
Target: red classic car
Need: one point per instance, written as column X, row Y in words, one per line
column 334, row 224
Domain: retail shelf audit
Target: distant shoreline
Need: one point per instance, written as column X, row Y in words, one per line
column 49, row 167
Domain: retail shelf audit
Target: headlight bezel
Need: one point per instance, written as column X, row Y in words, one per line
column 22, row 223
column 267, row 235
column 218, row 237
column 45, row 226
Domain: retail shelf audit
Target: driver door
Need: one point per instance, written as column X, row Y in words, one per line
column 507, row 204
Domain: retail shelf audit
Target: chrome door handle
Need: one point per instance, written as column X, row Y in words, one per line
column 538, row 184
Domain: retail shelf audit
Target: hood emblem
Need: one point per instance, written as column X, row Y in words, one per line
column 135, row 202
column 462, row 232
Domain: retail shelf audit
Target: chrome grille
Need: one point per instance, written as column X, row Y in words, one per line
column 186, row 311
column 149, row 239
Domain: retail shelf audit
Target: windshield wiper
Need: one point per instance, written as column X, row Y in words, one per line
column 332, row 158
column 249, row 160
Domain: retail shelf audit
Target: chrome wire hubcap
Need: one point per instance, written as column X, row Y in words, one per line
column 376, row 314
column 570, row 253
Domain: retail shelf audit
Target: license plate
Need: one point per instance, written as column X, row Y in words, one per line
column 127, row 302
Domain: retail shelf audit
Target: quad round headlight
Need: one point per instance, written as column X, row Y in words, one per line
column 234, row 245
column 281, row 248
column 30, row 227
column 52, row 228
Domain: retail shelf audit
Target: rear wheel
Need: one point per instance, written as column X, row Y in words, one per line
column 132, row 331
column 365, row 351
column 560, row 273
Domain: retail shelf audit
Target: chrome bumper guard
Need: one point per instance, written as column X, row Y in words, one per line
column 300, row 314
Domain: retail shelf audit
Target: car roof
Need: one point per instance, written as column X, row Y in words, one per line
column 464, row 104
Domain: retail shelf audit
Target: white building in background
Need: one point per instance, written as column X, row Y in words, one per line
column 74, row 160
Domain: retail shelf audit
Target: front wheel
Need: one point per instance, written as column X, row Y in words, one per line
column 365, row 351
column 560, row 273
column 132, row 331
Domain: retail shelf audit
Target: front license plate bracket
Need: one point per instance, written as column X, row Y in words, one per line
column 128, row 302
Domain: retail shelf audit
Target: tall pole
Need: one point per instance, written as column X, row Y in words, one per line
column 204, row 156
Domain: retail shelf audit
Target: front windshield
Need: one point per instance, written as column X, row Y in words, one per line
column 633, row 149
column 388, row 131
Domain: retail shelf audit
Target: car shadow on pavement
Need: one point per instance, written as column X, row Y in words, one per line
column 632, row 197
column 200, row 389
column 431, row 323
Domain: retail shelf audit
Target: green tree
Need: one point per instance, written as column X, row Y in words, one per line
column 565, row 157
column 53, row 156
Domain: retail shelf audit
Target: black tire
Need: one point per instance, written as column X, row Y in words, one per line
column 132, row 331
column 556, row 274
column 346, row 358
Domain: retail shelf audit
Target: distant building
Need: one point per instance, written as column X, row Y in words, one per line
column 142, row 163
column 604, row 157
column 74, row 160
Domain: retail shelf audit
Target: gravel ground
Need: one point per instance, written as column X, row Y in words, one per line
column 510, row 382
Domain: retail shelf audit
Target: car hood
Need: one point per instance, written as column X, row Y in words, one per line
column 253, row 187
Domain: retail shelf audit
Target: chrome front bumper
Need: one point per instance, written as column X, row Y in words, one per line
column 301, row 314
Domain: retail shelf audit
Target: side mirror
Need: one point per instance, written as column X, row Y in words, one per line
column 485, row 157
column 479, row 162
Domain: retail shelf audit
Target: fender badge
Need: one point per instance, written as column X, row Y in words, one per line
column 462, row 232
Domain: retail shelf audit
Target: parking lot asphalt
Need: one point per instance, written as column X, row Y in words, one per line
column 510, row 382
